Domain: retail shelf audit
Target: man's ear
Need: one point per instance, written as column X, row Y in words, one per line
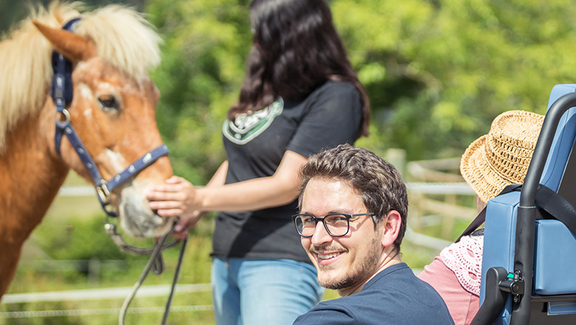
column 391, row 228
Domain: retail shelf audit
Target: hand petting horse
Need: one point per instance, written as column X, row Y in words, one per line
column 78, row 98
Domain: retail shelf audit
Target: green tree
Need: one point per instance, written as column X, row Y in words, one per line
column 437, row 71
column 206, row 43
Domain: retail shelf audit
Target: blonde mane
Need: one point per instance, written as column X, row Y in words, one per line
column 122, row 37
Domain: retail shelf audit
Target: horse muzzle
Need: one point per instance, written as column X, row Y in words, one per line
column 137, row 219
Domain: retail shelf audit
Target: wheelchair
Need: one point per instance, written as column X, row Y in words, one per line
column 529, row 259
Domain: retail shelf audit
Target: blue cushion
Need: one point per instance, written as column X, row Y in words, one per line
column 555, row 259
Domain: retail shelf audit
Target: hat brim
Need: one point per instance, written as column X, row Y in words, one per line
column 478, row 173
column 502, row 156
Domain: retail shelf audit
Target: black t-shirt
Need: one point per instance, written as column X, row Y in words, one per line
column 255, row 144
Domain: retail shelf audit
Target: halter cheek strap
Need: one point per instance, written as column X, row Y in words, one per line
column 61, row 89
column 62, row 93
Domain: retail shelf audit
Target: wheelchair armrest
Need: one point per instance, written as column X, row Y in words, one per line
column 495, row 298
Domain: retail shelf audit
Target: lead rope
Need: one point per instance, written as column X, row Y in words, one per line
column 175, row 280
column 155, row 260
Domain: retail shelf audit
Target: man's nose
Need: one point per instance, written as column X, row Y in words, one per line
column 320, row 235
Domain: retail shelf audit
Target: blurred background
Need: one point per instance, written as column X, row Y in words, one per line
column 437, row 73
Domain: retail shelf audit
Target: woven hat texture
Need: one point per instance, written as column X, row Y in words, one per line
column 502, row 156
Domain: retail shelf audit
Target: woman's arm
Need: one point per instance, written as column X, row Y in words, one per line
column 219, row 177
column 265, row 192
column 179, row 197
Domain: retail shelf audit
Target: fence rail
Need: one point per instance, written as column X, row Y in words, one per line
column 101, row 311
column 77, row 191
column 102, row 293
column 460, row 188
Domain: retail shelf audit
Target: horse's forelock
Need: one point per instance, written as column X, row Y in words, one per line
column 122, row 36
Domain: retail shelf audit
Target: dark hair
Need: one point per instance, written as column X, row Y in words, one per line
column 295, row 49
column 377, row 181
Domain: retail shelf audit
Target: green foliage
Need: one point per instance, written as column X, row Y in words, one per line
column 205, row 47
column 76, row 240
column 452, row 66
column 437, row 72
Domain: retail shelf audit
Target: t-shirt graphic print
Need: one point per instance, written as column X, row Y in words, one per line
column 246, row 126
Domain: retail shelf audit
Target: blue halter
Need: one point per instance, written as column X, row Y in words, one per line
column 62, row 93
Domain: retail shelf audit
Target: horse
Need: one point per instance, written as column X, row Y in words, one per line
column 112, row 113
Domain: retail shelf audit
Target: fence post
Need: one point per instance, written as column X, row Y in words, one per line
column 93, row 270
column 397, row 157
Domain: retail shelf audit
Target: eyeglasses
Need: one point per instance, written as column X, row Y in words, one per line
column 336, row 224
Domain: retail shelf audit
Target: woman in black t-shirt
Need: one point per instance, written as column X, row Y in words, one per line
column 300, row 95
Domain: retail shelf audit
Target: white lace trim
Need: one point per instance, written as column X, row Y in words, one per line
column 464, row 258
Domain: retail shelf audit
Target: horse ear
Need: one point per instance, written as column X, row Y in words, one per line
column 73, row 46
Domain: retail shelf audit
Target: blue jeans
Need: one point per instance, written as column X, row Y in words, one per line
column 254, row 292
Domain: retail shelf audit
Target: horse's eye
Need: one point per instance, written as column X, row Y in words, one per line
column 108, row 102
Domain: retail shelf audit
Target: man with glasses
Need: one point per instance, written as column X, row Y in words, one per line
column 353, row 207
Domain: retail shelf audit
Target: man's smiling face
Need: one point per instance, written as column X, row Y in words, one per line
column 342, row 262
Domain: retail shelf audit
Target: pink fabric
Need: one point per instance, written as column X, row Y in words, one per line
column 464, row 258
column 462, row 304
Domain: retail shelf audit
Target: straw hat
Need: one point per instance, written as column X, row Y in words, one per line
column 502, row 156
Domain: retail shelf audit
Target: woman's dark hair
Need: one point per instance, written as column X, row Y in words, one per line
column 296, row 49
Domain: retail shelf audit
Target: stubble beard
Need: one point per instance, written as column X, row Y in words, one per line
column 356, row 274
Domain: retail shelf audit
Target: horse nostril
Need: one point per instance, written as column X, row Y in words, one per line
column 159, row 221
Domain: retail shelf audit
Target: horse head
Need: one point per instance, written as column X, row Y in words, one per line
column 113, row 111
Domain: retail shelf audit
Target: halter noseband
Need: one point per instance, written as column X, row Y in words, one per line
column 62, row 93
